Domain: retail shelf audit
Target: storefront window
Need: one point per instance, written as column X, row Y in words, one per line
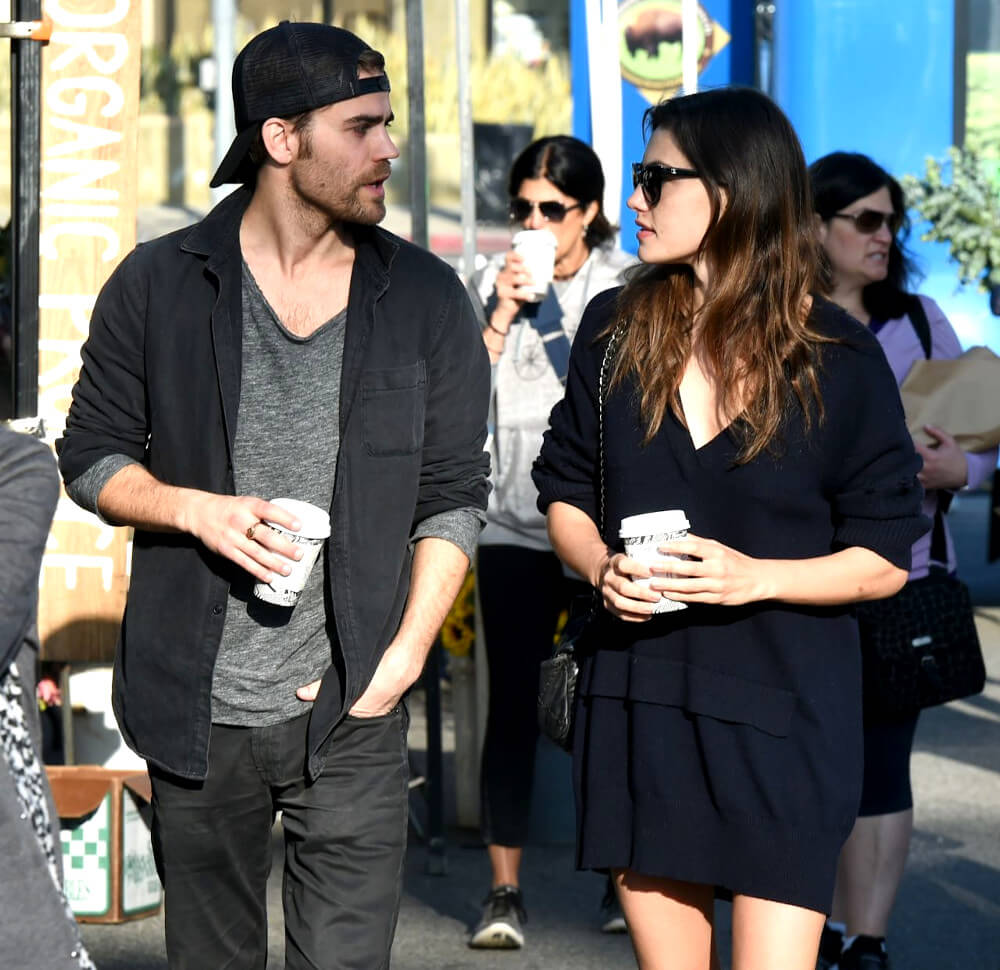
column 531, row 30
column 979, row 54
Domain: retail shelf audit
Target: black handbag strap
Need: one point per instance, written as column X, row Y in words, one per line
column 918, row 320
column 601, row 388
column 939, row 541
column 595, row 595
column 920, row 323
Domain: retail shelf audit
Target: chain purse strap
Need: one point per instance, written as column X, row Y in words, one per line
column 590, row 605
column 601, row 387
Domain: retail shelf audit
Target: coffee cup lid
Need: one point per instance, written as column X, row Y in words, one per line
column 534, row 237
column 315, row 522
column 653, row 523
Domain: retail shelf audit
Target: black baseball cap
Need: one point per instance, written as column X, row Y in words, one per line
column 284, row 71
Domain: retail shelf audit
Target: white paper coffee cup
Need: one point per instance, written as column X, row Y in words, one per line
column 644, row 534
column 313, row 532
column 537, row 247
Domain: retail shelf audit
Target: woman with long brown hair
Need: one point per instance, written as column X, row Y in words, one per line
column 718, row 746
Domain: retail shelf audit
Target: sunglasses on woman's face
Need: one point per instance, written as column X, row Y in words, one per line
column 521, row 209
column 650, row 177
column 869, row 221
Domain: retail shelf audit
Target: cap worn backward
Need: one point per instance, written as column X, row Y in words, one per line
column 284, row 71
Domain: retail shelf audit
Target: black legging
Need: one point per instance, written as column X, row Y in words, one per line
column 521, row 593
column 886, row 785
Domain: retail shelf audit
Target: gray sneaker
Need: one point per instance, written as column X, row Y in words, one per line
column 500, row 926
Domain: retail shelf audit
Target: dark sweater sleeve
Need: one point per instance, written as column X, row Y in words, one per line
column 876, row 496
column 568, row 468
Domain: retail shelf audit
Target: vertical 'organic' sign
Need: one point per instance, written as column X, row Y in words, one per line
column 90, row 105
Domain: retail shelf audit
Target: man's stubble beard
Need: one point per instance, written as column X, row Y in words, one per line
column 337, row 203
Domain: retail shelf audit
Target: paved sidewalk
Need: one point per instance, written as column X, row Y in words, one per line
column 947, row 916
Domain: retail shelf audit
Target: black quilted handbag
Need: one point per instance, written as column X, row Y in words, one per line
column 920, row 648
column 558, row 675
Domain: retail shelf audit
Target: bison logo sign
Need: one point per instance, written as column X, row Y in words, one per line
column 650, row 44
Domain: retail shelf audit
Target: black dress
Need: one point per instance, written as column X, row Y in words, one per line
column 722, row 745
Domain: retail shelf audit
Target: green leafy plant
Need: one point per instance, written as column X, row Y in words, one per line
column 963, row 211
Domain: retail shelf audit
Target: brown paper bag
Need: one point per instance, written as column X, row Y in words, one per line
column 961, row 396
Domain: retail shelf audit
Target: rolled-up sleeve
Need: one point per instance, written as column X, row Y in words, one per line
column 461, row 527
column 85, row 488
column 876, row 496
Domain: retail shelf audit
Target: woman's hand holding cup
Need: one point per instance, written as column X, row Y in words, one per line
column 622, row 596
column 511, row 284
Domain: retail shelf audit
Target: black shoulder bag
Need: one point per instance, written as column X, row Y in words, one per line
column 920, row 648
column 558, row 675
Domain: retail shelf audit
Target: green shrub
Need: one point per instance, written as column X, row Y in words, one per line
column 960, row 199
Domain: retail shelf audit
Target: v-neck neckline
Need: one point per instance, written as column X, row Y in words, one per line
column 722, row 433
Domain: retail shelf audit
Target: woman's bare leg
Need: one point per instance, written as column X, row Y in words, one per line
column 767, row 935
column 670, row 921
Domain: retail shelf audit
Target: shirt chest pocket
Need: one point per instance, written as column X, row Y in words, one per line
column 394, row 405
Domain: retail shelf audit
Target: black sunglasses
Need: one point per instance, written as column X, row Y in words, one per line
column 650, row 177
column 521, row 209
column 869, row 221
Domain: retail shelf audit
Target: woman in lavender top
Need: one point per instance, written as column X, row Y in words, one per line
column 862, row 226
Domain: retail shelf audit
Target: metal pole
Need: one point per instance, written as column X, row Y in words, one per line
column 26, row 155
column 604, row 73
column 417, row 142
column 437, row 862
column 223, row 24
column 463, row 49
column 689, row 46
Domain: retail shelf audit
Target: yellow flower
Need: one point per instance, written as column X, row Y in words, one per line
column 458, row 634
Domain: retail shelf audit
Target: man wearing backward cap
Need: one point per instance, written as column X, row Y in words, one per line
column 283, row 346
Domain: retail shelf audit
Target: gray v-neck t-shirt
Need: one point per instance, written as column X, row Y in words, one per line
column 287, row 439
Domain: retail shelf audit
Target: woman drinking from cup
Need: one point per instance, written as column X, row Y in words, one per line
column 718, row 747
column 556, row 186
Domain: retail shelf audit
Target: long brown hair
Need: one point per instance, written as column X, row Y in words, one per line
column 762, row 248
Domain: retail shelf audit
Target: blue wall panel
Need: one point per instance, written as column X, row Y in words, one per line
column 875, row 77
column 878, row 78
